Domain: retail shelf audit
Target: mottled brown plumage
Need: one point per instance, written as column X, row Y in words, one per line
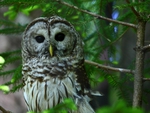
column 52, row 53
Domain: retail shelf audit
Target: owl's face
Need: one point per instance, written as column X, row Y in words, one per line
column 51, row 37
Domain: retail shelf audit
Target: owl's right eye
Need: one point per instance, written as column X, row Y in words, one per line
column 40, row 39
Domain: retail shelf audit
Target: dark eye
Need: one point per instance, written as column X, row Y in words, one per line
column 59, row 37
column 40, row 39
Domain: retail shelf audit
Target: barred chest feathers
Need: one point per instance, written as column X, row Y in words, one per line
column 43, row 89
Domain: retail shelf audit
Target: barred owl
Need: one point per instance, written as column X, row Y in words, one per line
column 52, row 57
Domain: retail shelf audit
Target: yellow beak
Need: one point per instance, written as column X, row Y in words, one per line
column 51, row 50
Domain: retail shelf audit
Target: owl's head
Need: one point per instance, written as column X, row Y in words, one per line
column 51, row 37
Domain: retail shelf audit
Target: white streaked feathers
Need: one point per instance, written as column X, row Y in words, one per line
column 56, row 90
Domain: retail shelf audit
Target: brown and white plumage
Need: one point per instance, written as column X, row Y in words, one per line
column 52, row 53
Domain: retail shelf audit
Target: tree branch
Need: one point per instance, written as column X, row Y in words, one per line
column 109, row 68
column 146, row 48
column 139, row 65
column 134, row 11
column 97, row 16
column 3, row 110
column 146, row 79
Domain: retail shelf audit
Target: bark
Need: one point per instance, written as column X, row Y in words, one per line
column 139, row 65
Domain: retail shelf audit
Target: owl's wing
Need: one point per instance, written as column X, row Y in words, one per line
column 83, row 80
column 84, row 90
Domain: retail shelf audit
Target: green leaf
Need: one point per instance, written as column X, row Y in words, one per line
column 4, row 88
column 27, row 10
column 11, row 13
column 2, row 61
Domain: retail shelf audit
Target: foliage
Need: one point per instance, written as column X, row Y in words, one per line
column 11, row 57
column 101, row 38
column 119, row 107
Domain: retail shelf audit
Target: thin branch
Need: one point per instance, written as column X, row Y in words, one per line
column 146, row 79
column 134, row 11
column 97, row 16
column 119, row 37
column 3, row 110
column 146, row 48
column 109, row 68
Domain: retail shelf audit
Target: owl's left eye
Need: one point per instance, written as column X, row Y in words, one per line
column 40, row 39
column 59, row 37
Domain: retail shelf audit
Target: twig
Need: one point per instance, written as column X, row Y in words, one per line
column 109, row 68
column 134, row 11
column 146, row 79
column 119, row 37
column 146, row 48
column 98, row 16
column 3, row 110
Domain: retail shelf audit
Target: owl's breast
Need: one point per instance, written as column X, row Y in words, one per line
column 46, row 92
